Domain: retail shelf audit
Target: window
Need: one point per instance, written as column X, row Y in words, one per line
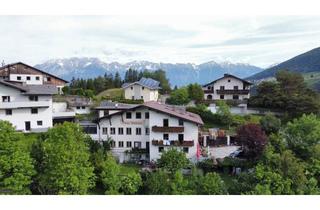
column 33, row 98
column 180, row 122
column 221, row 87
column 141, row 97
column 8, row 111
column 147, row 131
column 142, row 88
column 104, row 131
column 105, row 113
column 138, row 115
column 28, row 78
column 78, row 107
column 128, row 115
column 160, row 149
column 113, row 144
column 138, row 131
column 235, row 87
column 37, row 78
column 5, row 98
column 131, row 88
column 112, row 131
column 120, row 131
column 129, row 144
column 165, row 136
column 129, row 131
column 180, row 137
column 137, row 144
column 132, row 97
column 186, row 149
column 91, row 129
column 48, row 79
column 146, row 115
column 235, row 97
column 34, row 111
column 83, row 107
column 18, row 78
column 120, row 143
column 208, row 87
column 221, row 96
column 165, row 122
column 229, row 80
column 39, row 123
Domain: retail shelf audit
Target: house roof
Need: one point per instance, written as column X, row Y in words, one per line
column 146, row 82
column 167, row 109
column 32, row 89
column 11, row 64
column 115, row 105
column 228, row 75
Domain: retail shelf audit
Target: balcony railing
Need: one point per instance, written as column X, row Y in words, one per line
column 171, row 129
column 175, row 143
column 239, row 92
column 208, row 91
column 23, row 104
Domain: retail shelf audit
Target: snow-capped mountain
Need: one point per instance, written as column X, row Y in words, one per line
column 179, row 73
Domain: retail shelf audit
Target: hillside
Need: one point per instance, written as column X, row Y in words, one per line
column 178, row 74
column 304, row 63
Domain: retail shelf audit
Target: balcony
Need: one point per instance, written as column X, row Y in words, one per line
column 233, row 92
column 171, row 129
column 208, row 91
column 24, row 104
column 175, row 143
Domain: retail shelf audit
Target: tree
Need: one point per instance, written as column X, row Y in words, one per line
column 195, row 92
column 158, row 183
column 224, row 113
column 110, row 175
column 179, row 97
column 117, row 80
column 270, row 124
column 303, row 135
column 212, row 184
column 131, row 183
column 64, row 167
column 173, row 160
column 253, row 140
column 16, row 165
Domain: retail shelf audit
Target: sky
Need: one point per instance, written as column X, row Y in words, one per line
column 262, row 41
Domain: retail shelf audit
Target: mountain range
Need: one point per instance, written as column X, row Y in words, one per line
column 178, row 74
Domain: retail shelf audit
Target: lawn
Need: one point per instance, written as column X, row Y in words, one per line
column 112, row 93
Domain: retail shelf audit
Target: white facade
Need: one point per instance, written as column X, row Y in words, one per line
column 139, row 92
column 80, row 109
column 29, row 79
column 227, row 88
column 25, row 114
column 128, row 133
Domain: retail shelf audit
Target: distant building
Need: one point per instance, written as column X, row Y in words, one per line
column 21, row 72
column 79, row 104
column 145, row 89
column 147, row 130
column 108, row 107
column 228, row 87
column 27, row 107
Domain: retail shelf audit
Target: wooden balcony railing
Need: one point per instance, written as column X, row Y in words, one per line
column 175, row 143
column 171, row 129
column 239, row 92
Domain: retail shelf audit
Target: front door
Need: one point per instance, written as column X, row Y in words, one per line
column 27, row 125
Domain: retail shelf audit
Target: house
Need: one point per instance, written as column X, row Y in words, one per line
column 21, row 72
column 147, row 130
column 27, row 107
column 145, row 89
column 109, row 107
column 79, row 104
column 228, row 87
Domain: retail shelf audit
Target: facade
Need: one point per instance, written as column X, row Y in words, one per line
column 149, row 129
column 21, row 72
column 145, row 89
column 228, row 87
column 79, row 104
column 27, row 107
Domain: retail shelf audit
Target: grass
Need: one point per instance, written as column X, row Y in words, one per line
column 112, row 93
column 128, row 168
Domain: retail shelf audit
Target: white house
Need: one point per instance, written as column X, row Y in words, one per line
column 21, row 72
column 149, row 129
column 145, row 89
column 228, row 87
column 27, row 107
column 79, row 104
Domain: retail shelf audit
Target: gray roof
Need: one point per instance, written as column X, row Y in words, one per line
column 146, row 82
column 115, row 105
column 32, row 89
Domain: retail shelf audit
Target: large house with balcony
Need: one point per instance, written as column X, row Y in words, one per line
column 145, row 89
column 148, row 129
column 27, row 107
column 228, row 87
column 21, row 72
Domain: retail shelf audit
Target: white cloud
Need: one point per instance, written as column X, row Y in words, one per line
column 260, row 41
